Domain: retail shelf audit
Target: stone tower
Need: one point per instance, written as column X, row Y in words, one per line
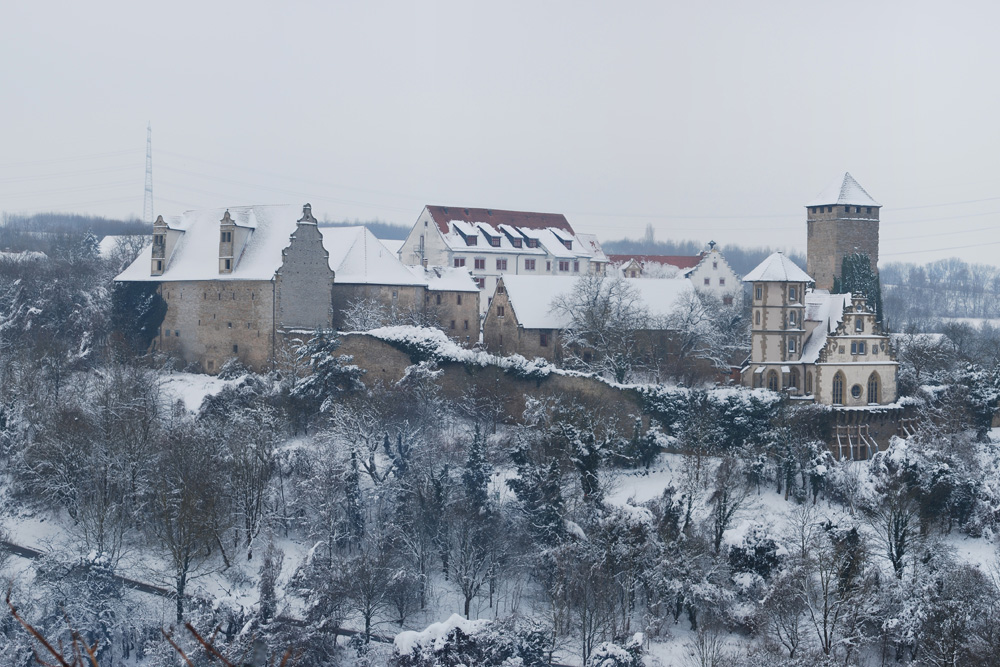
column 842, row 220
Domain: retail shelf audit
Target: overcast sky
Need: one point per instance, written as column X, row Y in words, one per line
column 711, row 121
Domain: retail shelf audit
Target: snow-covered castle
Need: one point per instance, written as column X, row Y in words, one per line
column 810, row 343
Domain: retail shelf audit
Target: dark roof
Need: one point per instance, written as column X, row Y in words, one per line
column 443, row 214
column 680, row 261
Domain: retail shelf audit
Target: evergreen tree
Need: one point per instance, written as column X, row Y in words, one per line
column 859, row 277
column 476, row 476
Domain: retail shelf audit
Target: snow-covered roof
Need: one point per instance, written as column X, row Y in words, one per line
column 445, row 278
column 357, row 257
column 777, row 268
column 680, row 261
column 196, row 254
column 844, row 191
column 394, row 245
column 593, row 246
column 828, row 310
column 531, row 297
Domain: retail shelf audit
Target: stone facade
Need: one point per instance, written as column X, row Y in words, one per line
column 502, row 334
column 455, row 312
column 831, row 236
column 395, row 298
column 209, row 322
column 304, row 283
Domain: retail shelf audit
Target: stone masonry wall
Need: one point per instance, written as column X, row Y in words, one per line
column 829, row 240
column 402, row 298
column 209, row 322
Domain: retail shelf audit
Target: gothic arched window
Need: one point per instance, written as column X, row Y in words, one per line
column 809, row 382
column 838, row 388
column 772, row 380
column 873, row 388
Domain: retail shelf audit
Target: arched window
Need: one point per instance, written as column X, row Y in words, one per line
column 793, row 379
column 772, row 380
column 873, row 388
column 756, row 317
column 838, row 388
column 809, row 382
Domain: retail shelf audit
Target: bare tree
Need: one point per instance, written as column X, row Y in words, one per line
column 606, row 317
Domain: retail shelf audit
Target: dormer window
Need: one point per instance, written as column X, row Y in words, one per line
column 495, row 241
column 471, row 240
column 859, row 324
column 516, row 242
column 568, row 244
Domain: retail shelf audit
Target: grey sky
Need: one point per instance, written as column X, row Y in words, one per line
column 709, row 120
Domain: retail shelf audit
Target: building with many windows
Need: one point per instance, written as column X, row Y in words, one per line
column 814, row 345
column 708, row 271
column 492, row 243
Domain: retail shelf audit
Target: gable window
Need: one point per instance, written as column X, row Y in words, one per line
column 501, row 265
column 564, row 266
column 227, row 237
column 479, row 263
column 715, row 265
column 838, row 389
column 859, row 324
column 529, row 265
column 459, row 262
column 758, row 292
column 500, row 311
column 159, row 239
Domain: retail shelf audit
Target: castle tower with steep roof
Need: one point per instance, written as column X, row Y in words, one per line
column 841, row 221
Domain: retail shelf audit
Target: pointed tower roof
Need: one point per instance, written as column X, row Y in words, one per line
column 777, row 269
column 844, row 191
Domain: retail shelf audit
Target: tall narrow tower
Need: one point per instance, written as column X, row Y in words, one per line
column 147, row 201
column 842, row 220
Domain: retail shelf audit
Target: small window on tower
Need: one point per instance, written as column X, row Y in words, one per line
column 859, row 324
column 758, row 292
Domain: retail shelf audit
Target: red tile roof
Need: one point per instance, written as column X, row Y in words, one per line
column 680, row 261
column 443, row 214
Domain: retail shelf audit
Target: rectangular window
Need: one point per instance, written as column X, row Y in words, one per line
column 159, row 265
column 532, row 243
column 453, row 324
column 543, row 339
column 227, row 237
column 854, row 348
column 859, row 324
column 229, row 325
column 862, row 348
column 459, row 262
column 548, row 266
column 501, row 265
column 758, row 292
column 437, row 299
column 470, row 240
column 708, row 281
column 564, row 266
column 791, row 345
column 480, row 264
column 568, row 244
column 500, row 311
column 792, row 293
column 576, row 267
column 177, row 333
column 727, row 300
column 529, row 265
column 459, row 299
column 236, row 349
column 465, row 325
column 516, row 242
column 722, row 282
column 481, row 283
column 229, row 264
column 495, row 241
column 715, row 265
